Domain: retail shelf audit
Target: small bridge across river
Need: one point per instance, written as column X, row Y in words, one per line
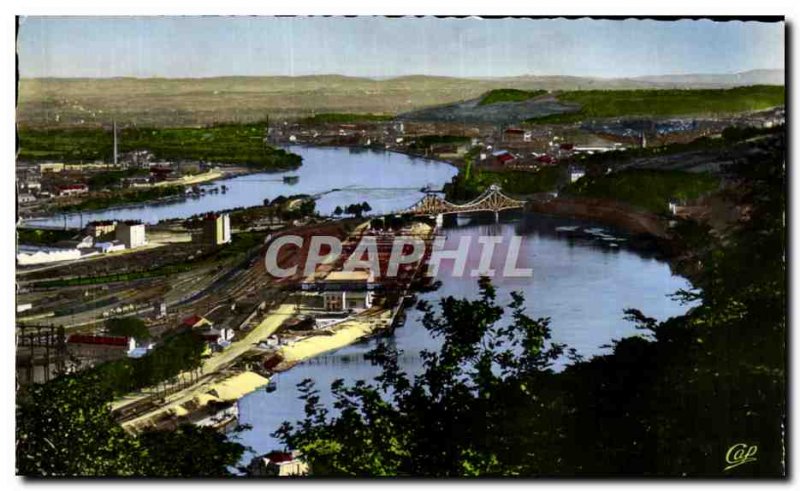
column 492, row 199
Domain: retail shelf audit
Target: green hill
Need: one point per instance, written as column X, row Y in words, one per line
column 613, row 103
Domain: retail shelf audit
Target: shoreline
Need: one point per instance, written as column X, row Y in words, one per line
column 235, row 171
column 223, row 176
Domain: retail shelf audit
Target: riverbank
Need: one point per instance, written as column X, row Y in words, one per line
column 614, row 213
column 344, row 334
column 191, row 180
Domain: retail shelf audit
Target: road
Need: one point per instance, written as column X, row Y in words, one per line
column 211, row 365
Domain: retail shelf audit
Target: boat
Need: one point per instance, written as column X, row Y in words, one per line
column 291, row 179
column 271, row 386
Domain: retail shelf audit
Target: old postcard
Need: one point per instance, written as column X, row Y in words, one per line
column 366, row 246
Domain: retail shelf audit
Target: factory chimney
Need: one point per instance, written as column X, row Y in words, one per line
column 115, row 142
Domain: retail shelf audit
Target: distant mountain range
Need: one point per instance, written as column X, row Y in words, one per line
column 552, row 82
column 751, row 77
column 692, row 80
column 193, row 101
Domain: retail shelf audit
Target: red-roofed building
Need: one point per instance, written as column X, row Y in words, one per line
column 99, row 340
column 73, row 189
column 516, row 135
column 278, row 463
column 100, row 348
column 196, row 321
column 160, row 173
column 546, row 159
column 504, row 159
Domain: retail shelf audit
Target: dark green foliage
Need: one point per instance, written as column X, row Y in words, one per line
column 673, row 102
column 732, row 139
column 355, row 209
column 424, row 142
column 116, row 198
column 647, row 189
column 668, row 403
column 174, row 354
column 106, row 179
column 225, row 143
column 129, row 327
column 65, row 429
column 42, row 236
column 189, row 451
column 452, row 420
column 509, row 95
column 520, row 183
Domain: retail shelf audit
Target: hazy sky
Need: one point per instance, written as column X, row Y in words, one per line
column 383, row 47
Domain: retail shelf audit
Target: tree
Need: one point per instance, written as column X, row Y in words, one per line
column 338, row 211
column 357, row 209
column 668, row 403
column 129, row 327
column 189, row 451
column 454, row 418
column 65, row 429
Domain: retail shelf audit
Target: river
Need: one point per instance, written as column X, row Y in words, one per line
column 388, row 181
column 579, row 280
column 582, row 278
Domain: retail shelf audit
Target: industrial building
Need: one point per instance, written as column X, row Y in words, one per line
column 217, row 229
column 101, row 228
column 344, row 290
column 131, row 233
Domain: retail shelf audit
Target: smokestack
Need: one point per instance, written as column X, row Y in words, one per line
column 115, row 142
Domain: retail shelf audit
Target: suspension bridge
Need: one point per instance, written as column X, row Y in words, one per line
column 492, row 199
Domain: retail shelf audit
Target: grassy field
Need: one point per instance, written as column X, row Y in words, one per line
column 509, row 95
column 647, row 189
column 186, row 102
column 229, row 143
column 606, row 103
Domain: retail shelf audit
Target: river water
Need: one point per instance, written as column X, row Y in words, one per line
column 582, row 278
column 388, row 181
column 579, row 280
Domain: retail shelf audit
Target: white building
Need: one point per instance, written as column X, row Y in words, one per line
column 278, row 464
column 32, row 186
column 592, row 149
column 217, row 229
column 73, row 189
column 106, row 247
column 131, row 233
column 347, row 290
column 65, row 250
column 41, row 255
column 576, row 173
